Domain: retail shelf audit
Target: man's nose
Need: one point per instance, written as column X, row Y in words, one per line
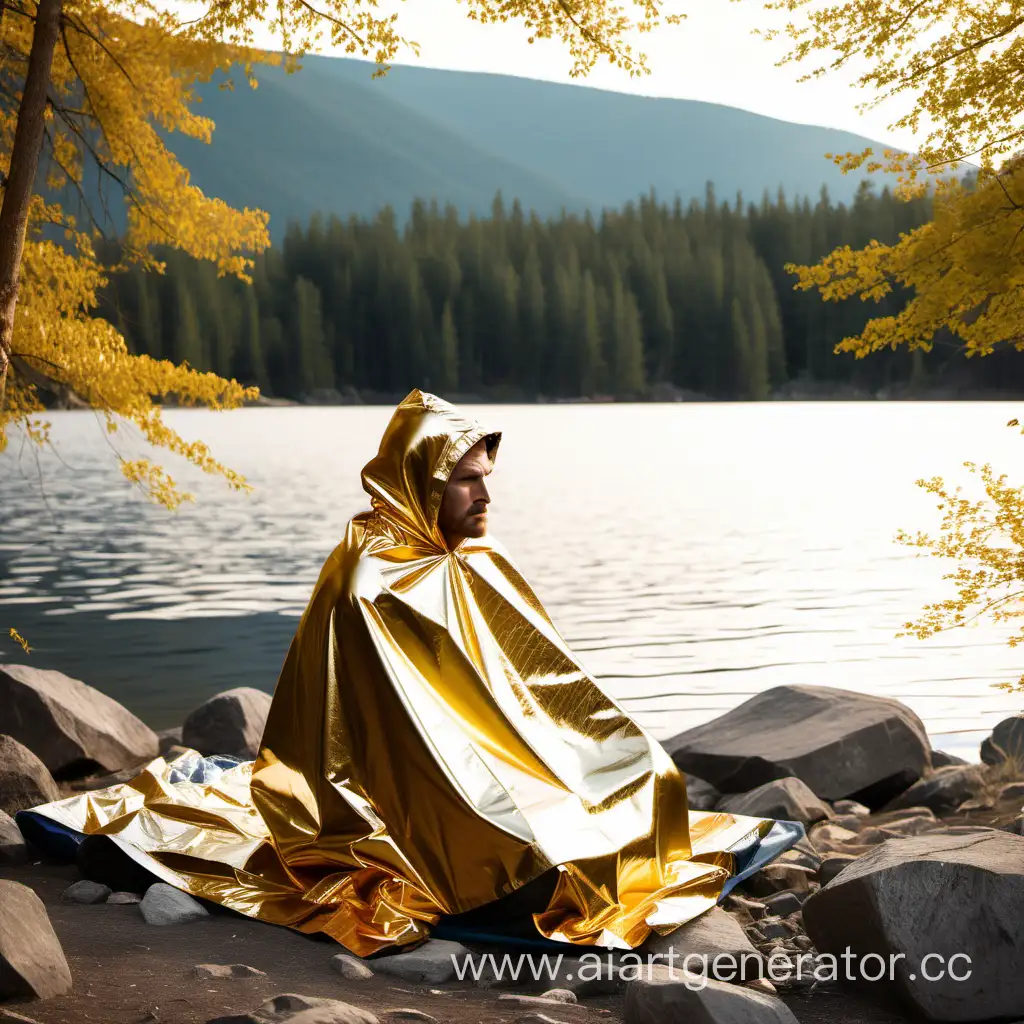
column 481, row 493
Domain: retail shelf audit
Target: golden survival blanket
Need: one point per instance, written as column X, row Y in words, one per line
column 433, row 745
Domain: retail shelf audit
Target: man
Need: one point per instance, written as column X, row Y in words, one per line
column 433, row 746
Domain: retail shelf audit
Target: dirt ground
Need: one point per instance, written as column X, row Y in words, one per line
column 128, row 972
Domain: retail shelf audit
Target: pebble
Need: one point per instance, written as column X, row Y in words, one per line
column 218, row 971
column 559, row 995
column 351, row 967
column 408, row 1013
column 124, row 898
column 543, row 1018
column 86, row 892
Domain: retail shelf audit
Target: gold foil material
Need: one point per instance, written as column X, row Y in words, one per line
column 433, row 745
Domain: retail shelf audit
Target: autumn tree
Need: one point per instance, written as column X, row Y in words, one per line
column 89, row 90
column 955, row 69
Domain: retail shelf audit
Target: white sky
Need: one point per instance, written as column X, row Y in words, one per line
column 712, row 56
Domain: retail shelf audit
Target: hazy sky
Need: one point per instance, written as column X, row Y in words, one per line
column 712, row 56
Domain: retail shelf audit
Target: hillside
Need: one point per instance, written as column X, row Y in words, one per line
column 330, row 138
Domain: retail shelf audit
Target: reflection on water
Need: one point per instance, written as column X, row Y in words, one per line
column 693, row 554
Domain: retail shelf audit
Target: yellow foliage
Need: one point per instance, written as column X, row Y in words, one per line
column 125, row 72
column 955, row 67
column 20, row 640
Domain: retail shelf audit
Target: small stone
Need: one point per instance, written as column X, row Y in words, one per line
column 163, row 904
column 12, row 843
column 124, row 898
column 1005, row 747
column 800, row 858
column 777, row 877
column 786, row 799
column 940, row 759
column 803, row 942
column 761, row 985
column 713, row 938
column 912, row 825
column 827, row 837
column 559, row 995
column 85, row 892
column 852, row 822
column 773, row 928
column 543, row 1018
column 537, row 1001
column 851, row 807
column 945, row 788
column 432, row 963
column 351, row 967
column 221, row 971
column 783, row 904
column 978, row 803
column 1012, row 791
column 832, row 865
column 745, row 911
column 408, row 1013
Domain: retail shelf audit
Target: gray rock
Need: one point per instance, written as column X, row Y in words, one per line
column 70, row 726
column 548, row 999
column 913, row 825
column 783, row 799
column 713, row 937
column 840, row 743
column 1012, row 792
column 408, row 1013
column 232, row 723
column 746, row 911
column 85, row 892
column 944, row 789
column 700, row 795
column 296, row 1009
column 12, row 844
column 950, row 895
column 351, row 967
column 210, row 972
column 124, row 898
column 170, row 740
column 163, row 904
column 433, row 962
column 559, row 995
column 827, row 837
column 851, row 822
column 784, row 903
column 832, row 865
column 1006, row 744
column 32, row 963
column 538, row 1018
column 851, row 807
column 940, row 759
column 25, row 781
column 664, row 996
column 777, row 878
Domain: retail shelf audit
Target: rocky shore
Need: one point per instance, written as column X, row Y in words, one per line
column 905, row 902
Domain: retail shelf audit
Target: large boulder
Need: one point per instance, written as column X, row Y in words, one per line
column 840, row 743
column 945, row 789
column 24, row 779
column 934, row 896
column 32, row 963
column 666, row 996
column 782, row 799
column 70, row 726
column 232, row 723
column 1006, row 743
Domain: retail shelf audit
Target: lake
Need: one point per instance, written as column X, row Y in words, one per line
column 693, row 554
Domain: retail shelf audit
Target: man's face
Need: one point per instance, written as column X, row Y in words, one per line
column 464, row 505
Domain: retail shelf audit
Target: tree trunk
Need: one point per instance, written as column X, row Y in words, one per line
column 28, row 143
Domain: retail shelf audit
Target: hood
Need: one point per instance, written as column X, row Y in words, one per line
column 421, row 446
